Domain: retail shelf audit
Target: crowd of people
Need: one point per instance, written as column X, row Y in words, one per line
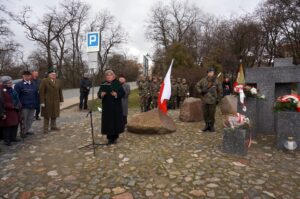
column 22, row 102
column 149, row 89
column 209, row 88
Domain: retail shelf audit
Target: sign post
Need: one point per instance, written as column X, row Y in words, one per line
column 146, row 66
column 93, row 47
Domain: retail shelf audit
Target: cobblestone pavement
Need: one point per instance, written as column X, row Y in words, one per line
column 185, row 164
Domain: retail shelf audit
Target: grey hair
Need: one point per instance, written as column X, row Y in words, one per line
column 109, row 72
column 5, row 79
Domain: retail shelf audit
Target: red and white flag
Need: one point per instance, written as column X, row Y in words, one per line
column 165, row 91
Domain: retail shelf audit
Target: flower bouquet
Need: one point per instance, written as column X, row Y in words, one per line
column 236, row 121
column 287, row 103
column 244, row 91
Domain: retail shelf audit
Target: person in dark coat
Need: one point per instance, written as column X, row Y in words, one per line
column 29, row 98
column 11, row 118
column 111, row 93
column 51, row 97
column 37, row 81
column 126, row 88
column 227, row 88
column 85, row 86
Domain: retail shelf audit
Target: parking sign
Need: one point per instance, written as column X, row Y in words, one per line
column 93, row 41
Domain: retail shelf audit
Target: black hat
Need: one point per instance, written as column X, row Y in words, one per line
column 26, row 72
column 210, row 69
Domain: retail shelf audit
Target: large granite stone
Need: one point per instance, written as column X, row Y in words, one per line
column 287, row 124
column 228, row 105
column 151, row 122
column 234, row 141
column 191, row 110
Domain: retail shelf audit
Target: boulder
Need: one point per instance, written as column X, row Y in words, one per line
column 191, row 110
column 229, row 105
column 151, row 122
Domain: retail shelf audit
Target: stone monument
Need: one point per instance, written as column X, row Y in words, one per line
column 272, row 82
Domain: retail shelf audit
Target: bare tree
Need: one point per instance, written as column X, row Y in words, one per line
column 78, row 12
column 46, row 31
column 158, row 26
column 172, row 23
column 111, row 33
column 8, row 48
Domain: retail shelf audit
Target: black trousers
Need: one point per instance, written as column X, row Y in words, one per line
column 124, row 122
column 10, row 133
column 83, row 100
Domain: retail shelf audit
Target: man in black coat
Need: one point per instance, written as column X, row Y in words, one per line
column 85, row 86
column 111, row 92
column 37, row 81
column 227, row 87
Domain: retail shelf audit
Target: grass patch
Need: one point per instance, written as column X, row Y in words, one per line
column 133, row 101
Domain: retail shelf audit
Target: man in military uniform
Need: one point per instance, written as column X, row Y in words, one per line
column 211, row 93
column 160, row 80
column 174, row 93
column 154, row 92
column 183, row 91
column 144, row 93
column 149, row 100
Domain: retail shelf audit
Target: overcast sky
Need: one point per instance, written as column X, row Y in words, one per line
column 132, row 14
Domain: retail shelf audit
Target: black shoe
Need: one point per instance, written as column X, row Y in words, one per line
column 212, row 129
column 7, row 143
column 206, row 128
column 111, row 142
column 37, row 118
column 16, row 140
column 29, row 133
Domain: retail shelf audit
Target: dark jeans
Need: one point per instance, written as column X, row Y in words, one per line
column 37, row 111
column 10, row 133
column 209, row 111
column 83, row 100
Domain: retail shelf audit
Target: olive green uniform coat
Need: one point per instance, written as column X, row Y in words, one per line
column 51, row 95
column 211, row 93
column 144, row 93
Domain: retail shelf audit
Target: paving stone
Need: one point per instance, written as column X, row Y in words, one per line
column 197, row 193
column 184, row 164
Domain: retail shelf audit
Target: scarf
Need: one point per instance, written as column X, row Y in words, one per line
column 14, row 95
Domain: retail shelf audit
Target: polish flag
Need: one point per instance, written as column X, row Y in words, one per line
column 165, row 91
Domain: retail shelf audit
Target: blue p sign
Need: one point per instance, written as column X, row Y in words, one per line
column 92, row 41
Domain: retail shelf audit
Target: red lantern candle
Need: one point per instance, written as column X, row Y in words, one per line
column 298, row 106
